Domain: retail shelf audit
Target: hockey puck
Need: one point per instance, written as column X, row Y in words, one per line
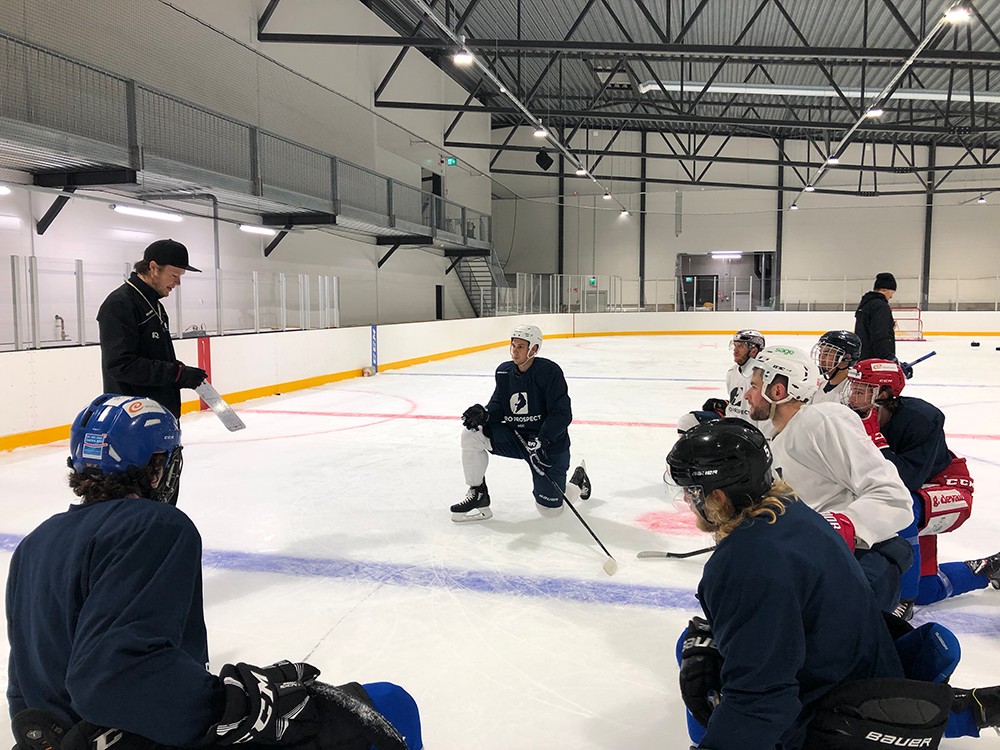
column 974, row 343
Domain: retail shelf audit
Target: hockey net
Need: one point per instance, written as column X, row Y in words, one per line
column 909, row 326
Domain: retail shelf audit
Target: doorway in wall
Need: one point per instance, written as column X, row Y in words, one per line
column 736, row 281
column 432, row 210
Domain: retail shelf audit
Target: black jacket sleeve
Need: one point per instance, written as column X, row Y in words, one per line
column 122, row 329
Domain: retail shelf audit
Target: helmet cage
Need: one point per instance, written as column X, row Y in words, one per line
column 829, row 357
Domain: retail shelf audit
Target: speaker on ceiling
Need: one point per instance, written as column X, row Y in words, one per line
column 543, row 160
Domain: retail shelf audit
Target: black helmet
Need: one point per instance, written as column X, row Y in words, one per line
column 728, row 454
column 845, row 347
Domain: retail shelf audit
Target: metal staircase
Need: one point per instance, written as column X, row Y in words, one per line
column 481, row 276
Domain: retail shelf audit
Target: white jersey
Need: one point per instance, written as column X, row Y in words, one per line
column 737, row 384
column 828, row 459
column 835, row 395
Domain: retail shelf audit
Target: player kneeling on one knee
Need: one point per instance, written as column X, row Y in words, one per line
column 793, row 651
column 528, row 418
column 107, row 630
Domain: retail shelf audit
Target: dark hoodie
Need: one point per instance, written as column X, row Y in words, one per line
column 873, row 323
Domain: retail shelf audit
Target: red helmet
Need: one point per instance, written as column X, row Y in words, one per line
column 880, row 372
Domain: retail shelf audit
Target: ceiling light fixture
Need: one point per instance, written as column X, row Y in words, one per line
column 982, row 199
column 541, row 132
column 624, row 212
column 957, row 15
column 833, row 160
column 809, row 188
column 581, row 172
column 4, row 190
column 874, row 112
column 254, row 229
column 607, row 195
column 463, row 57
column 145, row 213
column 795, row 207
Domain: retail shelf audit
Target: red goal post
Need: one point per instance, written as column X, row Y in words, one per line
column 909, row 326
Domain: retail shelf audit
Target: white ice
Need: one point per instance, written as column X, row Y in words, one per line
column 328, row 538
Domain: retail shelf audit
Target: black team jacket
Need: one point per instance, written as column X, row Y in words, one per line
column 874, row 325
column 137, row 355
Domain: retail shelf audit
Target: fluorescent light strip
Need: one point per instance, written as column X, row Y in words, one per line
column 727, row 256
column 146, row 213
column 4, row 190
column 253, row 229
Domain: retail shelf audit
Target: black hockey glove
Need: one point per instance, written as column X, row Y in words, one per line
column 475, row 416
column 190, row 377
column 538, row 456
column 268, row 705
column 718, row 405
column 907, row 369
column 346, row 711
column 701, row 671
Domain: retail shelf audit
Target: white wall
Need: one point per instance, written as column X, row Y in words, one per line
column 828, row 238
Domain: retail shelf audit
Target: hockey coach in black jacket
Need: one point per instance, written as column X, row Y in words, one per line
column 873, row 321
column 137, row 355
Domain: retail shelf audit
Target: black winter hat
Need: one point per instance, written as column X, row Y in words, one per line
column 885, row 281
column 170, row 253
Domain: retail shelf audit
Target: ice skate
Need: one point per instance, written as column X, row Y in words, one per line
column 988, row 566
column 985, row 703
column 904, row 610
column 475, row 507
column 581, row 480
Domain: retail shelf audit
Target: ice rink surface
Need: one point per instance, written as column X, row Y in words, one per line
column 327, row 538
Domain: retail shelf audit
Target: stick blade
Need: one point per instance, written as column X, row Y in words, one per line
column 217, row 404
column 610, row 566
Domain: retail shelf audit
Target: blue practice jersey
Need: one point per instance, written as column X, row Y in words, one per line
column 917, row 446
column 793, row 616
column 105, row 622
column 535, row 402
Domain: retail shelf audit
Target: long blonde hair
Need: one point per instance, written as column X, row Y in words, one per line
column 768, row 509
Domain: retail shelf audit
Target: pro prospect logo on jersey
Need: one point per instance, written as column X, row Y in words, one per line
column 519, row 403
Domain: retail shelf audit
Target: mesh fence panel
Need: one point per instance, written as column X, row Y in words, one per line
column 293, row 167
column 361, row 188
column 407, row 202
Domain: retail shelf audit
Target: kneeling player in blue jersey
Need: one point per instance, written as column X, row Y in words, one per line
column 108, row 645
column 527, row 417
column 793, row 651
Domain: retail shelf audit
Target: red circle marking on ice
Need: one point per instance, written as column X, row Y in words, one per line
column 669, row 522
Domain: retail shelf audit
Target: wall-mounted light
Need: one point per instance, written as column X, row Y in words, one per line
column 727, row 255
column 254, row 229
column 146, row 213
column 4, row 190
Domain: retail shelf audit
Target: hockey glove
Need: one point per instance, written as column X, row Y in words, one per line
column 718, row 405
column 345, row 712
column 907, row 369
column 842, row 525
column 701, row 671
column 475, row 416
column 268, row 705
column 190, row 377
column 537, row 455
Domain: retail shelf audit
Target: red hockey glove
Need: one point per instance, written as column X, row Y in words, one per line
column 842, row 525
column 874, row 431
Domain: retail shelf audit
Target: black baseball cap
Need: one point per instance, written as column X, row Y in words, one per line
column 169, row 253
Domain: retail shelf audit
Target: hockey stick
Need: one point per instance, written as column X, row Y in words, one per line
column 657, row 555
column 218, row 404
column 610, row 565
column 921, row 359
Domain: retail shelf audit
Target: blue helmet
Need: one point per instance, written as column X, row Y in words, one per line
column 116, row 433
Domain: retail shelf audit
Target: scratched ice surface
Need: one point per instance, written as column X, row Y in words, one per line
column 328, row 538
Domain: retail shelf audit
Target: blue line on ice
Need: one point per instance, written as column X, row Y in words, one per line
column 974, row 622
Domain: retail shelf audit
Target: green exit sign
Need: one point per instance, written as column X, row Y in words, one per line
column 593, row 281
column 451, row 161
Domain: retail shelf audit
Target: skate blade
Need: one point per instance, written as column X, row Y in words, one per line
column 478, row 514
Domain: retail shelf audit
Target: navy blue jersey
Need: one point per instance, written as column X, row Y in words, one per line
column 105, row 622
column 917, row 447
column 535, row 402
column 793, row 616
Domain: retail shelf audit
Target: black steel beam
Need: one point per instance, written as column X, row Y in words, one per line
column 266, row 16
column 453, row 264
column 276, row 241
column 925, row 276
column 410, row 239
column 85, row 178
column 298, row 220
column 693, row 52
column 553, row 114
column 57, row 205
column 642, row 227
column 465, row 252
column 389, row 254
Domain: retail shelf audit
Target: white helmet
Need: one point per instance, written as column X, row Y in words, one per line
column 802, row 373
column 531, row 334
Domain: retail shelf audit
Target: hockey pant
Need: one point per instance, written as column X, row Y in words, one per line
column 929, row 655
column 500, row 440
column 926, row 581
column 883, row 565
column 336, row 732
